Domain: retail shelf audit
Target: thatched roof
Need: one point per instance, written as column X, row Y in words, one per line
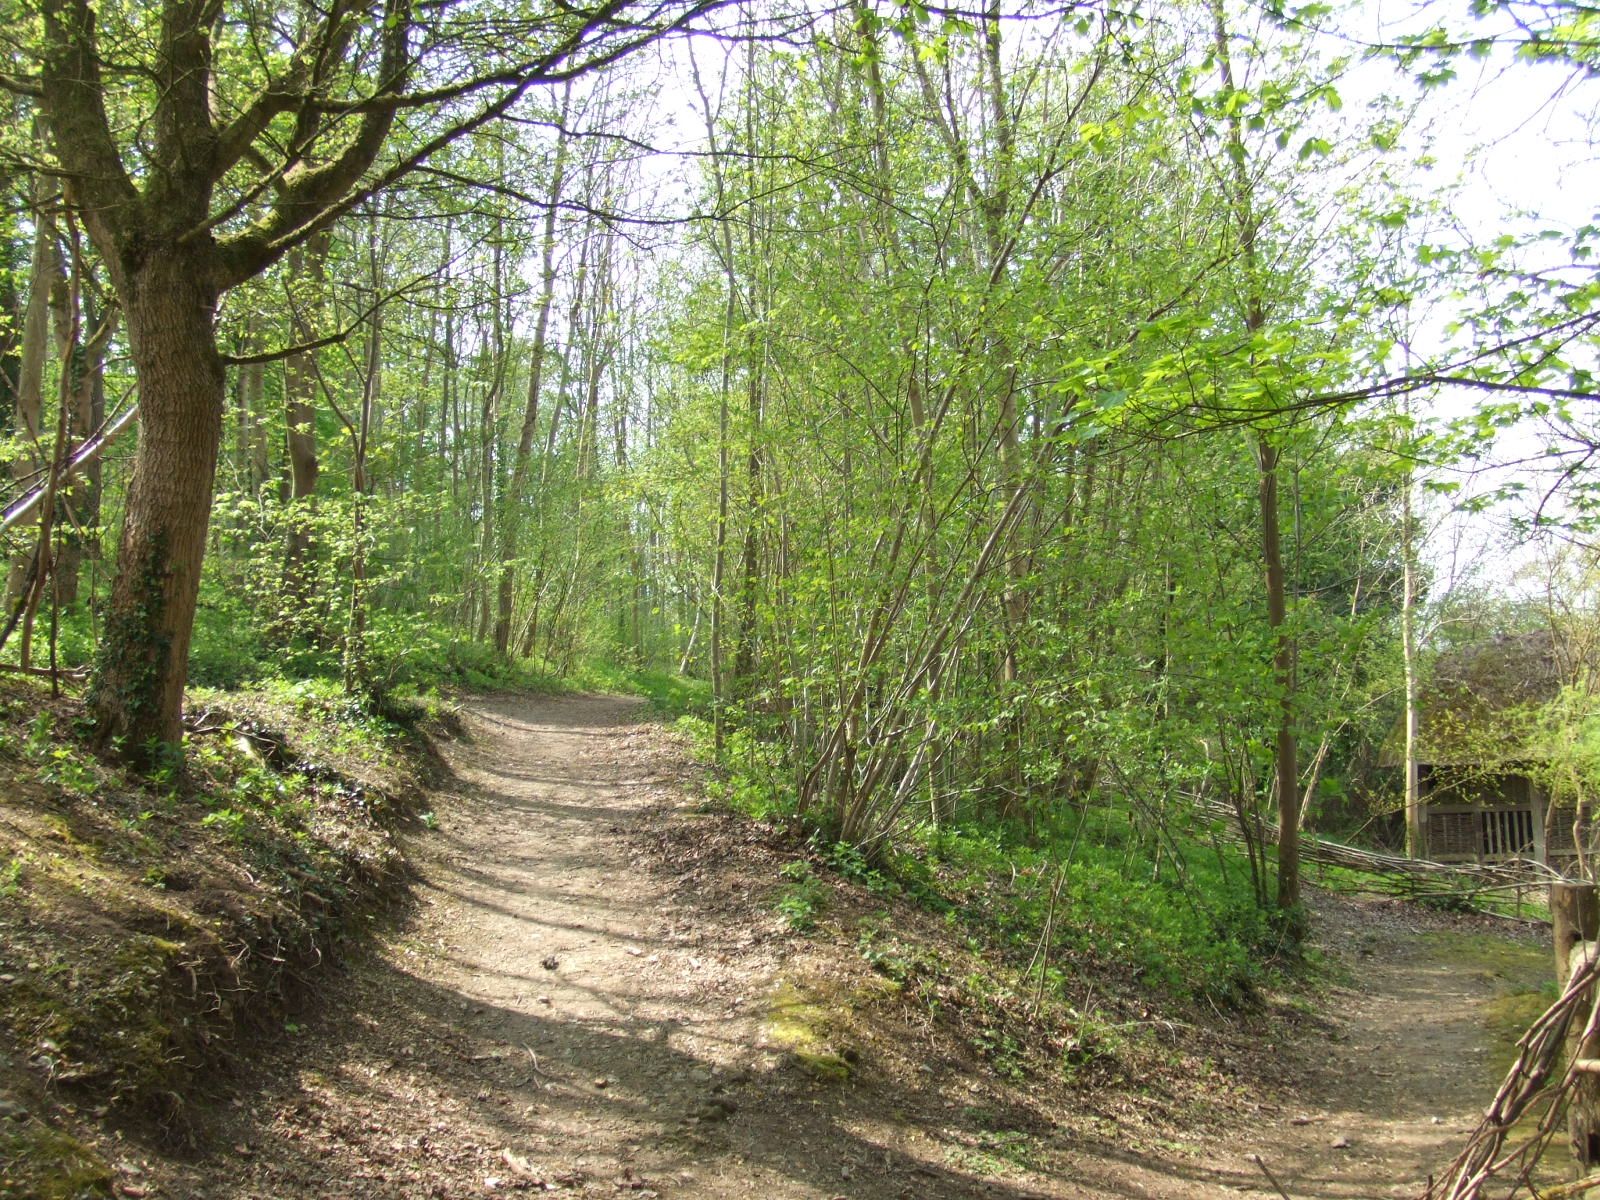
column 1467, row 713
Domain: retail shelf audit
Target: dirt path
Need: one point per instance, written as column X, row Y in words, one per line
column 1416, row 1041
column 558, row 1017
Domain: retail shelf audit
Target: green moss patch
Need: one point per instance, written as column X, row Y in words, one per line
column 41, row 1163
column 804, row 1022
column 1515, row 961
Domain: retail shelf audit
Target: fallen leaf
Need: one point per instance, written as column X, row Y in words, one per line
column 517, row 1163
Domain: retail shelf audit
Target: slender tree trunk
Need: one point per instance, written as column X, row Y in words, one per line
column 253, row 384
column 489, row 442
column 511, row 510
column 1286, row 770
column 719, row 565
column 43, row 277
column 308, row 274
column 250, row 435
column 719, row 562
column 13, row 307
column 170, row 307
column 82, row 345
column 744, row 658
column 358, row 675
column 45, row 574
column 1416, row 834
column 1286, row 751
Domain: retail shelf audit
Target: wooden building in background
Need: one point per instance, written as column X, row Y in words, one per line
column 1481, row 803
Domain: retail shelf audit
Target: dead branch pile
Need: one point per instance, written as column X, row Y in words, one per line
column 1416, row 878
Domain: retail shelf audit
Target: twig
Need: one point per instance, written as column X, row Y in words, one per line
column 535, row 1060
column 1271, row 1178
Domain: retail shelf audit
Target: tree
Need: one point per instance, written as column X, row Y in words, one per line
column 200, row 143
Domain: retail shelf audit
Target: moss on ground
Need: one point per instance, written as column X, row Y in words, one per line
column 1514, row 961
column 803, row 1022
column 41, row 1163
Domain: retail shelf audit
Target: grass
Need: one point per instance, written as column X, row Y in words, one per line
column 671, row 695
column 1523, row 977
column 38, row 1162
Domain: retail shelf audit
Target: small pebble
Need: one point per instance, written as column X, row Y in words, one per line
column 602, row 1083
column 1340, row 1143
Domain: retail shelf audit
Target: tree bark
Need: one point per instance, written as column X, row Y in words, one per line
column 137, row 696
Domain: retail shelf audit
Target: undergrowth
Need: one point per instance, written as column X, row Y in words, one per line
column 670, row 695
column 407, row 655
column 1170, row 911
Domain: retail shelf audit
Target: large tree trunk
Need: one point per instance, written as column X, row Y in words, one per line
column 137, row 696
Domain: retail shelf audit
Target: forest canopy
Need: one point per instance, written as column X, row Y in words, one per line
column 1002, row 413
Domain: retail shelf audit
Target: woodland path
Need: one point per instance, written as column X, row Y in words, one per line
column 557, row 1016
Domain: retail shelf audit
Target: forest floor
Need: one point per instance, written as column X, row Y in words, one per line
column 594, row 997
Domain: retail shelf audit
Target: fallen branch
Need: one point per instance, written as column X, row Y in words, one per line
column 20, row 508
column 1411, row 876
column 1271, row 1178
column 73, row 673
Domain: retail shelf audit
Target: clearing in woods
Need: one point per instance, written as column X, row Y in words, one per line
column 569, row 1011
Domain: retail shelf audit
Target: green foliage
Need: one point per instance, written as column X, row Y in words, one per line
column 11, row 878
column 803, row 900
column 670, row 695
column 1180, row 915
column 940, row 532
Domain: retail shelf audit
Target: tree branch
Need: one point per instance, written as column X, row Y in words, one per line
column 73, row 93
